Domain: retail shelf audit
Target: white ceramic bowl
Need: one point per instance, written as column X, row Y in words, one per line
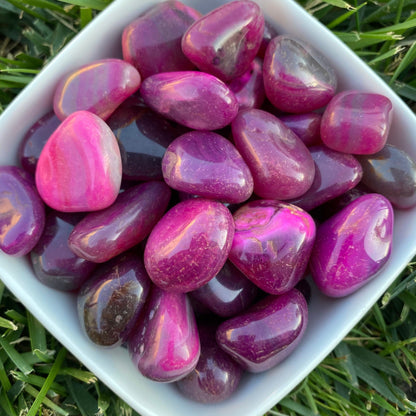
column 330, row 319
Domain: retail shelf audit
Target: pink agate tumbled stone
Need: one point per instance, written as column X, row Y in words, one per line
column 281, row 165
column 306, row 126
column 189, row 245
column 272, row 244
column 297, row 78
column 206, row 164
column 357, row 122
column 99, row 87
column 152, row 42
column 225, row 41
column 79, row 168
column 195, row 99
column 352, row 246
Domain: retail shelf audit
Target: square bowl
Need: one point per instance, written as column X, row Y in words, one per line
column 329, row 320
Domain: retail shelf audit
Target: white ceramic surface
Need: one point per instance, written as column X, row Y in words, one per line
column 330, row 320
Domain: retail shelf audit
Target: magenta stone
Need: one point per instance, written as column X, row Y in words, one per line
column 34, row 141
column 165, row 345
column 335, row 174
column 189, row 245
column 281, row 165
column 228, row 293
column 103, row 235
column 357, row 122
column 297, row 78
column 225, row 41
column 110, row 302
column 195, row 99
column 54, row 264
column 352, row 246
column 79, row 168
column 152, row 42
column 272, row 244
column 22, row 213
column 99, row 87
column 267, row 333
column 306, row 126
column 206, row 164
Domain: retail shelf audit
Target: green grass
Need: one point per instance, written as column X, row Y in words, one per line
column 371, row 372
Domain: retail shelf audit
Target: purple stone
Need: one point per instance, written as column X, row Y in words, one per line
column 110, row 302
column 281, row 165
column 22, row 213
column 335, row 174
column 164, row 344
column 272, row 244
column 352, row 246
column 267, row 333
column 357, row 122
column 305, row 126
column 99, row 87
column 197, row 100
column 189, row 245
column 206, row 164
column 152, row 42
column 297, row 78
column 103, row 235
column 228, row 293
column 225, row 41
column 55, row 265
column 34, row 141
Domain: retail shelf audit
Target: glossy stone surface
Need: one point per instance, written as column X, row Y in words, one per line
column 216, row 376
column 225, row 41
column 22, row 213
column 335, row 174
column 152, row 42
column 99, row 87
column 143, row 137
column 54, row 264
column 228, row 293
column 110, row 302
column 189, row 245
column 352, row 246
column 272, row 244
column 248, row 88
column 267, row 333
column 165, row 344
column 297, row 77
column 206, row 164
column 357, row 122
column 281, row 165
column 103, row 235
column 35, row 139
column 79, row 168
column 392, row 173
column 195, row 99
column 306, row 126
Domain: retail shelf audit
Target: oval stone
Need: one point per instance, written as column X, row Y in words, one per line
column 267, row 333
column 272, row 244
column 22, row 213
column 206, row 164
column 352, row 246
column 189, row 245
column 197, row 100
column 281, row 165
column 225, row 41
column 99, row 87
column 306, row 126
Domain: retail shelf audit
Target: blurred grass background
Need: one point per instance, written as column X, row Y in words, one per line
column 371, row 372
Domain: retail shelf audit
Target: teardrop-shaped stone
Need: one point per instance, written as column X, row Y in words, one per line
column 164, row 344
column 206, row 164
column 225, row 41
column 352, row 246
column 267, row 333
column 79, row 168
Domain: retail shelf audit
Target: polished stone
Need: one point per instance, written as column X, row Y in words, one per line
column 306, row 126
